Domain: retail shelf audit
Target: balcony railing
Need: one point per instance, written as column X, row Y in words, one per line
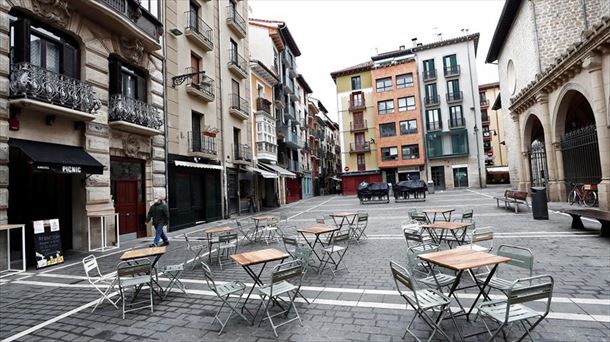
column 358, row 125
column 236, row 21
column 486, row 135
column 290, row 113
column 198, row 27
column 447, row 144
column 291, row 138
column 457, row 122
column 263, row 105
column 452, row 70
column 238, row 63
column 485, row 118
column 430, row 101
column 242, row 152
column 357, row 104
column 123, row 108
column 31, row 81
column 266, row 147
column 287, row 59
column 434, row 126
column 131, row 10
column 454, row 97
column 199, row 81
column 484, row 102
column 429, row 75
column 239, row 105
column 360, row 147
column 201, row 143
column 295, row 166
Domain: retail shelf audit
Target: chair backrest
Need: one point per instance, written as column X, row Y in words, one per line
column 188, row 242
column 133, row 267
column 90, row 264
column 420, row 217
column 341, row 236
column 287, row 271
column 415, row 251
column 413, row 234
column 403, row 278
column 209, row 277
column 363, row 219
column 226, row 238
column 467, row 215
column 290, row 244
column 520, row 256
column 482, row 234
column 284, row 217
column 411, row 212
column 303, row 253
column 540, row 287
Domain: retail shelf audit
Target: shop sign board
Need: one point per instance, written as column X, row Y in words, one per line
column 47, row 243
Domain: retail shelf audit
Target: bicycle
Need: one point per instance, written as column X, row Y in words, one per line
column 583, row 194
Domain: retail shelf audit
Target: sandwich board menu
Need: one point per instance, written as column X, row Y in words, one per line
column 47, row 243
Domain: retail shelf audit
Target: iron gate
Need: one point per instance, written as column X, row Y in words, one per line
column 580, row 150
column 538, row 167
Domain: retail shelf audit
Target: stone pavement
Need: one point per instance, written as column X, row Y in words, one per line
column 362, row 304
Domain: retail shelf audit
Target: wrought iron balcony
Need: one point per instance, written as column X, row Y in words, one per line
column 291, row 136
column 242, row 153
column 452, row 70
column 288, row 85
column 287, row 59
column 198, row 31
column 432, row 101
column 239, row 107
column 133, row 111
column 33, row 82
column 485, row 118
column 429, row 75
column 134, row 12
column 447, row 144
column 357, row 104
column 263, row 105
column 355, row 126
column 457, row 122
column 484, row 103
column 236, row 22
column 360, row 147
column 237, row 64
column 199, row 142
column 198, row 84
column 434, row 126
column 278, row 94
column 454, row 97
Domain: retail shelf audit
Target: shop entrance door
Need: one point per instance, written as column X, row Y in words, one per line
column 438, row 177
column 126, row 177
column 126, row 205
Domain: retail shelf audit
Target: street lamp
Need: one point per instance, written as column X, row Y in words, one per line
column 476, row 133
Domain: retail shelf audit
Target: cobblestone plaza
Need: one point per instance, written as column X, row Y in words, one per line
column 360, row 304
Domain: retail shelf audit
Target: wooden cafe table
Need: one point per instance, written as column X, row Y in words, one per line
column 317, row 231
column 465, row 259
column 249, row 259
column 345, row 218
column 257, row 222
column 209, row 232
column 149, row 252
column 445, row 229
column 443, row 211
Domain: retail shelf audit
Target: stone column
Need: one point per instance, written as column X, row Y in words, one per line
column 593, row 64
column 545, row 120
column 521, row 167
column 561, row 178
column 526, row 181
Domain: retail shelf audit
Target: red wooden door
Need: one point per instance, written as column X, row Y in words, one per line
column 126, row 204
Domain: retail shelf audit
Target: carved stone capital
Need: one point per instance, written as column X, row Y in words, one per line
column 55, row 11
column 592, row 62
column 525, row 154
column 542, row 98
column 556, row 145
column 132, row 50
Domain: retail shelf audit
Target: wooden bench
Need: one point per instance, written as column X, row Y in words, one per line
column 602, row 216
column 512, row 197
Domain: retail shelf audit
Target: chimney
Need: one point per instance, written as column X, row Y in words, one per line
column 402, row 47
column 414, row 40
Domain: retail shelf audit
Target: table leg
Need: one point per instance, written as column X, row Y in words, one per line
column 257, row 281
column 312, row 246
column 481, row 288
column 209, row 249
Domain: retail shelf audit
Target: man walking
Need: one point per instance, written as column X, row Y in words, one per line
column 159, row 214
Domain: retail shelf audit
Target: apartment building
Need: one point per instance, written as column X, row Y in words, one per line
column 302, row 93
column 357, row 122
column 90, row 142
column 400, row 143
column 492, row 126
column 451, row 111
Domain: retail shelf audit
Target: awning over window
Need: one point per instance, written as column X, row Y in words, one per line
column 280, row 170
column 498, row 169
column 58, row 158
column 197, row 165
column 265, row 174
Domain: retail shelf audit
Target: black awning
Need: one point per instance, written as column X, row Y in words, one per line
column 58, row 158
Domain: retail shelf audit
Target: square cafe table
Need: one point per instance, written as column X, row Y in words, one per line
column 249, row 259
column 446, row 228
column 465, row 259
column 257, row 222
column 209, row 232
column 435, row 211
column 345, row 218
column 317, row 231
column 156, row 252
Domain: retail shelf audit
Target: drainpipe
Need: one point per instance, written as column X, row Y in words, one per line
column 476, row 119
column 536, row 36
column 423, row 120
column 223, row 174
column 165, row 126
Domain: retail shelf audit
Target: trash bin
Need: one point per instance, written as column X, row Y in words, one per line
column 540, row 210
column 430, row 187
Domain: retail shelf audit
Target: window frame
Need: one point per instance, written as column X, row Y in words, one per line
column 406, row 106
column 404, row 77
column 408, row 131
column 387, row 124
column 359, row 82
column 385, row 85
column 385, row 110
column 390, row 156
column 411, row 147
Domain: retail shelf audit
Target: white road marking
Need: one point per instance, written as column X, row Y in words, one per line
column 310, row 209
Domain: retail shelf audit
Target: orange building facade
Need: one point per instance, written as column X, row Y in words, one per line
column 399, row 131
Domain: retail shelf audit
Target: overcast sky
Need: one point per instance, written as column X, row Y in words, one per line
column 334, row 34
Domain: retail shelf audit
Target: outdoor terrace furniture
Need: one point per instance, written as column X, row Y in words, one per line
column 420, row 218
column 414, row 235
column 286, row 280
column 512, row 197
column 193, row 249
column 520, row 257
column 134, row 275
column 134, row 256
column 602, row 216
column 173, row 273
column 373, row 192
column 97, row 279
column 224, row 292
column 466, row 216
column 456, row 229
column 421, row 301
column 246, row 230
column 226, row 243
column 334, row 253
column 512, row 309
column 210, row 232
column 446, row 212
column 359, row 226
column 410, row 191
column 261, row 222
column 317, row 231
column 478, row 237
column 345, row 218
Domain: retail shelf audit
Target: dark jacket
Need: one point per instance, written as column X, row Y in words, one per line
column 159, row 213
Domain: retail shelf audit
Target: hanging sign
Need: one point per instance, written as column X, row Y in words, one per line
column 47, row 243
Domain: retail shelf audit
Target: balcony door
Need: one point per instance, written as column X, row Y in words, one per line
column 431, row 92
column 429, row 66
column 449, row 62
column 453, row 88
column 234, row 50
column 194, row 17
column 196, row 131
column 357, row 98
column 195, row 64
column 359, row 140
column 358, row 119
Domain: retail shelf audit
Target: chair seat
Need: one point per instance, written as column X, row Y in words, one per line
column 477, row 248
column 141, row 280
column 278, row 288
column 498, row 283
column 442, row 279
column 424, row 247
column 226, row 245
column 173, row 268
column 517, row 312
column 333, row 249
column 427, row 298
column 230, row 288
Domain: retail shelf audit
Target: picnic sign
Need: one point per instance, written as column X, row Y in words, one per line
column 47, row 243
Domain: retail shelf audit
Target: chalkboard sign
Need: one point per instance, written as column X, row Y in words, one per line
column 47, row 243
